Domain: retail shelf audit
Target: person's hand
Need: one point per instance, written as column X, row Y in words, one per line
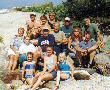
column 23, row 79
column 84, row 52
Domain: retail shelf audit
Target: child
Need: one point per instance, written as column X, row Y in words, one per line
column 66, row 68
column 29, row 68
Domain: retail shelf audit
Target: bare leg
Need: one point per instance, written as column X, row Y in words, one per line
column 16, row 57
column 64, row 76
column 30, row 80
column 46, row 76
column 11, row 58
column 57, row 80
column 92, row 55
column 36, row 78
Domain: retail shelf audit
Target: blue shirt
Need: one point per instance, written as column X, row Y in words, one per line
column 44, row 42
column 64, row 66
column 86, row 45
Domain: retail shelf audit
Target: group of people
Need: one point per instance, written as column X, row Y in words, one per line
column 50, row 51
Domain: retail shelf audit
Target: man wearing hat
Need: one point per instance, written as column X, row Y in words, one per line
column 46, row 39
column 67, row 28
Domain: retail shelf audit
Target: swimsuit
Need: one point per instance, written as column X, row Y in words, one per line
column 29, row 67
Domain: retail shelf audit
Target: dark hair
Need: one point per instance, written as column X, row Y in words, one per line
column 45, row 30
column 87, row 17
column 32, row 15
column 43, row 17
column 30, row 53
column 50, row 46
column 80, row 34
column 87, row 32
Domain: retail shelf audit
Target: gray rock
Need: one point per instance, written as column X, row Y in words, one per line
column 81, row 75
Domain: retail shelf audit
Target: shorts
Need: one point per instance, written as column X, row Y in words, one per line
column 54, row 74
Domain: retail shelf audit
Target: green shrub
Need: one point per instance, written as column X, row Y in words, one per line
column 1, row 39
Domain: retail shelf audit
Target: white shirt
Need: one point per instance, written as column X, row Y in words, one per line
column 27, row 48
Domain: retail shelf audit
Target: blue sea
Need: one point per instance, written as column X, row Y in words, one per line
column 6, row 4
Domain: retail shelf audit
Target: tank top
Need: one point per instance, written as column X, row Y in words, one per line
column 50, row 62
column 64, row 66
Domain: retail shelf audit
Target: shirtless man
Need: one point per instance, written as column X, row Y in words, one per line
column 33, row 25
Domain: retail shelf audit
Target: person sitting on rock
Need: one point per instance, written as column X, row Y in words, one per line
column 32, row 26
column 46, row 39
column 34, row 29
column 28, row 47
column 13, row 51
column 87, row 50
column 28, row 71
column 67, row 28
column 66, row 68
column 74, row 39
column 52, row 19
column 49, row 70
column 60, row 38
column 44, row 23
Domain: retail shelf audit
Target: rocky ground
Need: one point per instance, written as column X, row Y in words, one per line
column 9, row 24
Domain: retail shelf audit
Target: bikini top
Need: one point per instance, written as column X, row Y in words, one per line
column 30, row 66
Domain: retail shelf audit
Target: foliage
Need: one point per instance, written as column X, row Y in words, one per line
column 60, row 10
column 1, row 39
column 83, row 8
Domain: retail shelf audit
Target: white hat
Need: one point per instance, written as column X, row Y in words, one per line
column 67, row 19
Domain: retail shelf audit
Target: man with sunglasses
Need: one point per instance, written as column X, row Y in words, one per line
column 67, row 28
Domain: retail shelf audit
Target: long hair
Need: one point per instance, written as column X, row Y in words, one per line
column 80, row 34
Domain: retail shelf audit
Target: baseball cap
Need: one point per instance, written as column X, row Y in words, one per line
column 67, row 19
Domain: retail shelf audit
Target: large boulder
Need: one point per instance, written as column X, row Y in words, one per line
column 81, row 75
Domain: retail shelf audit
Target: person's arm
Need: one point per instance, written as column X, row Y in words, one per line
column 79, row 49
column 69, row 46
column 13, row 48
column 45, row 66
column 54, row 65
column 11, row 44
column 92, row 48
column 98, row 31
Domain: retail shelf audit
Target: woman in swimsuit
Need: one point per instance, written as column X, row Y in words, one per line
column 28, row 71
column 49, row 71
